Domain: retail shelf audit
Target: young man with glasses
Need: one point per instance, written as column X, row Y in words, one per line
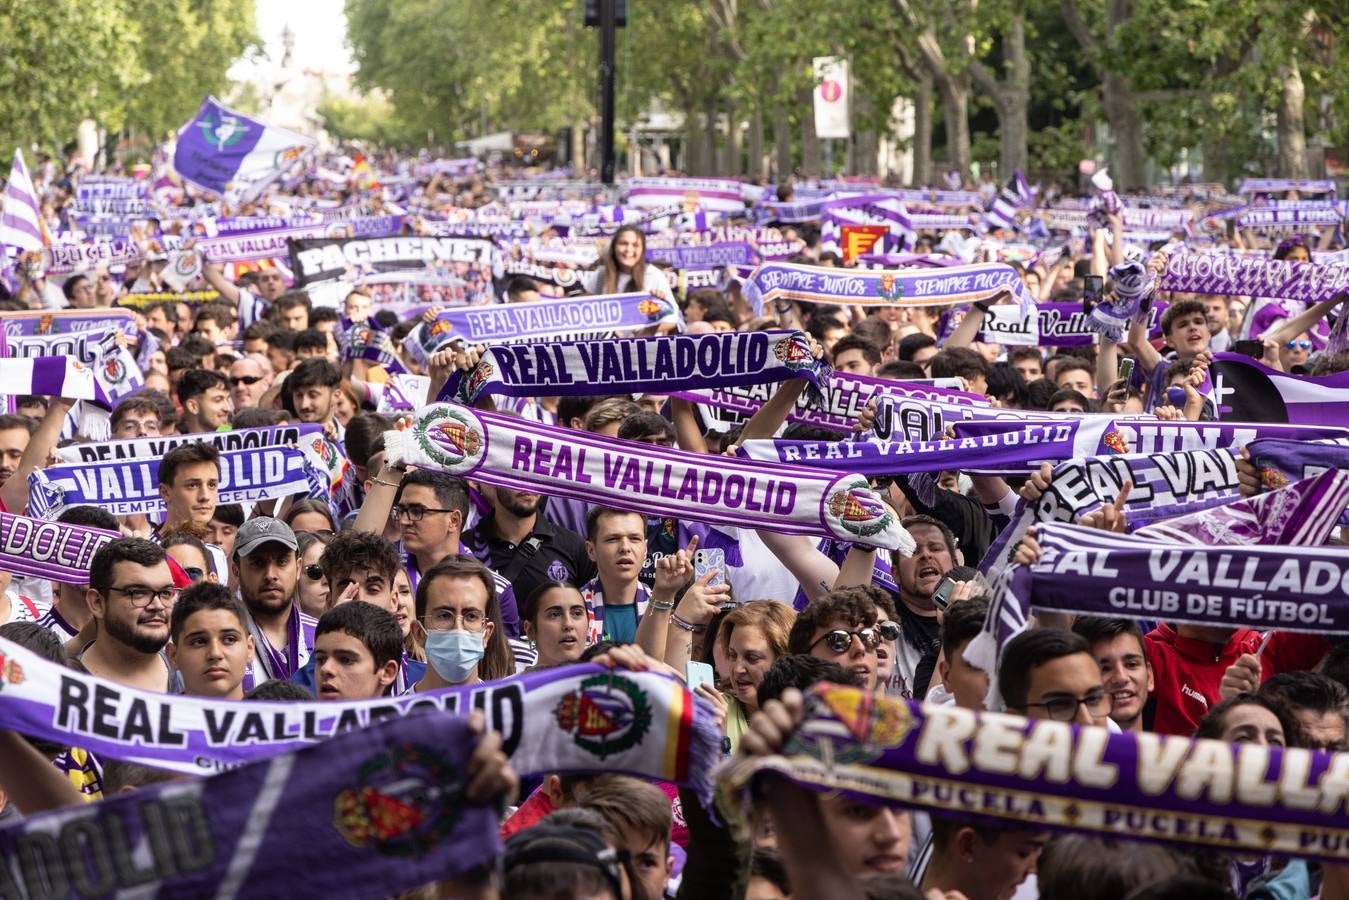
column 267, row 566
column 842, row 627
column 131, row 596
column 1049, row 673
column 457, row 610
column 135, row 417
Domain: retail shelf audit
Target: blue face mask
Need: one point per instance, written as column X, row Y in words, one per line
column 453, row 654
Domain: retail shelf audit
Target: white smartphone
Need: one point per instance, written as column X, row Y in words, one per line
column 711, row 560
column 696, row 673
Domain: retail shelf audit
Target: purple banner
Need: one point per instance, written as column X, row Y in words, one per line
column 381, row 806
column 707, row 256
column 1034, row 774
column 51, row 550
column 1247, row 390
column 1222, row 273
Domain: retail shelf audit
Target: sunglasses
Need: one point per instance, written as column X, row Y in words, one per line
column 1299, row 345
column 245, row 379
column 840, row 639
column 313, row 572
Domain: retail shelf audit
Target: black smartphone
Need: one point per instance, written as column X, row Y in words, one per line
column 1253, row 349
column 1092, row 288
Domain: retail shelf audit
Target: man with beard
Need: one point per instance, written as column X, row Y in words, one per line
column 918, row 576
column 524, row 547
column 267, row 564
column 309, row 391
column 1122, row 653
column 14, row 434
column 131, row 594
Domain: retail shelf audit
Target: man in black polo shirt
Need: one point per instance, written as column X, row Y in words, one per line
column 524, row 547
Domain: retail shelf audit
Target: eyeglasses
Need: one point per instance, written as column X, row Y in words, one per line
column 1299, row 345
column 237, row 380
column 840, row 639
column 1064, row 709
column 414, row 511
column 443, row 619
column 313, row 572
column 140, row 595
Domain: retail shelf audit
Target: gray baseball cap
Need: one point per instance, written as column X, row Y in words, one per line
column 263, row 530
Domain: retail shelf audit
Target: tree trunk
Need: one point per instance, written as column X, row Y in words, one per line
column 757, row 169
column 578, row 147
column 811, row 164
column 1126, row 128
column 1292, row 128
column 731, row 161
column 1013, row 118
column 782, row 143
column 694, row 145
column 710, row 135
column 955, row 98
column 922, row 132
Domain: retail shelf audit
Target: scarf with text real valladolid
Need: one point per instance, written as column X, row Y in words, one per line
column 1033, row 774
column 639, row 365
column 579, row 718
column 520, row 455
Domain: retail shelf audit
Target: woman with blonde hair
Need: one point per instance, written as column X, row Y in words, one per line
column 752, row 637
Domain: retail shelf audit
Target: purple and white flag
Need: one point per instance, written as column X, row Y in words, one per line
column 21, row 224
column 48, row 376
column 225, row 152
column 1247, row 390
column 520, row 455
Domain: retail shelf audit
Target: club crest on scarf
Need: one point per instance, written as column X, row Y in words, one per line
column 10, row 672
column 848, row 725
column 652, row 309
column 46, row 325
column 793, row 353
column 458, row 437
column 478, row 377
column 606, row 715
column 408, row 800
column 889, row 289
column 857, row 509
column 1114, row 442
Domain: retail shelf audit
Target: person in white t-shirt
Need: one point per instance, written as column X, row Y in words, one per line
column 623, row 268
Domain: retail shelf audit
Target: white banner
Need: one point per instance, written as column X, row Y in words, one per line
column 831, row 97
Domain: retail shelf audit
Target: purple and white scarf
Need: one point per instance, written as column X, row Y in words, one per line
column 156, row 447
column 389, row 799
column 777, row 282
column 1278, row 185
column 1037, row 774
column 501, row 321
column 705, row 256
column 369, row 342
column 639, row 365
column 63, row 259
column 129, row 487
column 1246, row 389
column 49, row 376
column 1231, row 585
column 1222, row 273
column 653, row 727
column 844, row 399
column 1282, row 217
column 513, row 453
column 1303, row 513
column 1051, row 325
column 50, row 550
